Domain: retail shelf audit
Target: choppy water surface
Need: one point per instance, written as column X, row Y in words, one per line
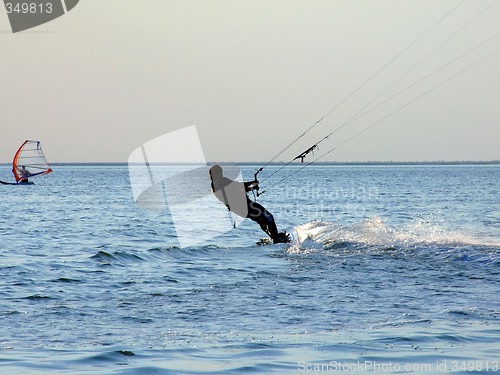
column 400, row 273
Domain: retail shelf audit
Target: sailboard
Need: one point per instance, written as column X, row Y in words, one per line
column 29, row 161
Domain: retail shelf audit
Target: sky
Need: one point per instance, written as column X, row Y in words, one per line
column 252, row 76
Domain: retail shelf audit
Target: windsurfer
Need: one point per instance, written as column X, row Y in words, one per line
column 233, row 195
column 24, row 174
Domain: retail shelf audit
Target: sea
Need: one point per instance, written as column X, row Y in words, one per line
column 393, row 269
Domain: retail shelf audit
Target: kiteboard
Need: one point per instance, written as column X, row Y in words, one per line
column 264, row 241
column 284, row 237
column 294, row 238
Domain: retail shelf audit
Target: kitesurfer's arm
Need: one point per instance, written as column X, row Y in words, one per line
column 251, row 185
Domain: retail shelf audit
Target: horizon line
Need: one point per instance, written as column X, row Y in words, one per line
column 374, row 162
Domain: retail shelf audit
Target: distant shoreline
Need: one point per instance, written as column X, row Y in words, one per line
column 339, row 163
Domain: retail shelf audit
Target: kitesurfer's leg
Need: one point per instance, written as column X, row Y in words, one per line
column 264, row 218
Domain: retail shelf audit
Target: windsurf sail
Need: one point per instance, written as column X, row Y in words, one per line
column 29, row 161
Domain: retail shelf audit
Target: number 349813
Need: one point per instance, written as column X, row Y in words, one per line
column 25, row 8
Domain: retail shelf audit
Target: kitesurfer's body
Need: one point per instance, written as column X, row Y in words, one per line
column 233, row 195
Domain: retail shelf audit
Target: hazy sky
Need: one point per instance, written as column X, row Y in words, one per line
column 110, row 75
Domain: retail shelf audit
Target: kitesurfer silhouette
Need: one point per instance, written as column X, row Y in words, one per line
column 233, row 195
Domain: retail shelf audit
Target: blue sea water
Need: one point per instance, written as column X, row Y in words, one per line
column 398, row 272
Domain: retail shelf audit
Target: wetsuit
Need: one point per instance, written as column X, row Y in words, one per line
column 263, row 217
column 233, row 195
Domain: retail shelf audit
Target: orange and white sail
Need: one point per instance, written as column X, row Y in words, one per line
column 29, row 161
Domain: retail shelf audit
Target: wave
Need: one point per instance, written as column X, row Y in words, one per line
column 375, row 234
column 105, row 257
column 151, row 255
column 370, row 235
